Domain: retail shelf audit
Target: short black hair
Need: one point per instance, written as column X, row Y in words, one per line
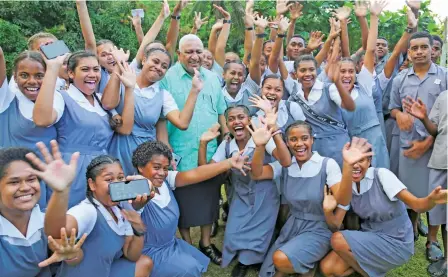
column 421, row 35
column 232, row 107
column 227, row 65
column 94, row 169
column 29, row 55
column 304, row 58
column 13, row 154
column 299, row 123
column 437, row 38
column 383, row 38
column 145, row 151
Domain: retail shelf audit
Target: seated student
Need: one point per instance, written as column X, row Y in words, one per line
column 23, row 244
column 385, row 240
column 305, row 238
column 172, row 257
column 115, row 236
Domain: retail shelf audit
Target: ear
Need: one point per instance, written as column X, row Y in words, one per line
column 91, row 184
column 71, row 74
column 143, row 60
column 140, row 170
column 178, row 52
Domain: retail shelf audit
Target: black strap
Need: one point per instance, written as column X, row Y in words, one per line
column 322, row 118
column 227, row 149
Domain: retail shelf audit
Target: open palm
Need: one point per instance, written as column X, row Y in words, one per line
column 415, row 108
column 439, row 195
column 211, row 133
column 260, row 135
column 330, row 202
column 342, row 13
column 239, row 162
column 54, row 171
column 357, row 150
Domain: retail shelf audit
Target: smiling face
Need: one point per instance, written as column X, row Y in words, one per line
column 29, row 75
column 156, row 170
column 237, row 120
column 207, row 59
column 300, row 143
column 381, row 48
column 306, row 74
column 105, row 57
column 360, row 169
column 19, row 189
column 267, row 48
column 273, row 90
column 87, row 75
column 155, row 66
column 436, row 51
column 190, row 55
column 347, row 74
column 420, row 51
column 109, row 173
column 234, row 77
column 295, row 45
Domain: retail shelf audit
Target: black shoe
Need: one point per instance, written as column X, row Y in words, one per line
column 416, row 236
column 438, row 269
column 225, row 211
column 421, row 227
column 433, row 252
column 240, row 270
column 212, row 252
column 214, row 231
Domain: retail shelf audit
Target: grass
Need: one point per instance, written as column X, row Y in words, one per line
column 416, row 267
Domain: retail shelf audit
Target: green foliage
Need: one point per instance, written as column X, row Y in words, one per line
column 21, row 19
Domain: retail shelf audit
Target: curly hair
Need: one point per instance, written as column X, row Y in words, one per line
column 145, row 151
column 94, row 169
column 13, row 154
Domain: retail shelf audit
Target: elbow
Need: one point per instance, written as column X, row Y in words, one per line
column 255, row 176
column 183, row 126
column 125, row 131
column 42, row 122
column 107, row 106
column 350, row 106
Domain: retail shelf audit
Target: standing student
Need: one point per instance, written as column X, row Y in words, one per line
column 254, row 205
column 385, row 240
column 305, row 238
column 425, row 80
column 172, row 257
column 84, row 125
column 33, row 76
column 436, row 125
column 23, row 243
column 115, row 236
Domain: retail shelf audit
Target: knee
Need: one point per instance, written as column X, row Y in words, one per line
column 144, row 266
column 326, row 267
column 338, row 242
column 281, row 261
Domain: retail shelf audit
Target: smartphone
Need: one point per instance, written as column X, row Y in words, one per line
column 122, row 191
column 55, row 49
column 177, row 159
column 139, row 12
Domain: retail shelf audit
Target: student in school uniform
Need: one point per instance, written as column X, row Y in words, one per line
column 425, row 80
column 363, row 121
column 172, row 257
column 17, row 105
column 84, row 125
column 254, row 206
column 436, row 125
column 114, row 236
column 24, row 246
column 385, row 240
column 305, row 238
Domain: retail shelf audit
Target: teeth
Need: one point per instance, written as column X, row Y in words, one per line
column 32, row 89
column 238, row 128
column 270, row 98
column 356, row 171
column 25, row 197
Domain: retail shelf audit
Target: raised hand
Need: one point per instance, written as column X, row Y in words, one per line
column 335, row 29
column 260, row 22
column 249, row 6
column 223, row 12
column 414, row 4
column 342, row 13
column 128, row 76
column 197, row 84
column 198, row 21
column 54, row 171
column 412, row 20
column 218, row 24
column 211, row 133
column 282, row 7
column 295, row 11
column 135, row 220
column 405, row 121
column 165, row 11
column 270, row 119
column 377, row 7
column 283, row 25
column 330, row 202
column 239, row 162
column 260, row 102
column 415, row 108
column 179, row 6
column 141, row 200
column 357, row 150
column 249, row 19
column 55, row 63
column 438, row 195
column 261, row 134
column 361, row 8
column 65, row 249
column 120, row 56
column 315, row 40
column 136, row 20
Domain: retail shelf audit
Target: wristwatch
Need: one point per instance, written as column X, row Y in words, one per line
column 409, row 30
column 226, row 21
column 175, row 17
column 137, row 233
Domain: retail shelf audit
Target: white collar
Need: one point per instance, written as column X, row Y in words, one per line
column 148, row 92
column 229, row 98
column 163, row 198
column 365, row 183
column 106, row 213
column 35, row 224
column 82, row 101
column 233, row 147
column 315, row 158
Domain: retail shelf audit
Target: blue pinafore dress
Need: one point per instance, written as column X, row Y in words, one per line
column 377, row 95
column 386, row 238
column 102, row 249
column 330, row 131
column 81, row 131
column 18, row 131
column 146, row 114
column 172, row 257
column 363, row 123
column 244, row 99
column 252, row 215
column 305, row 237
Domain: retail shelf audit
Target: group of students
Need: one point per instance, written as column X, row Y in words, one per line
column 329, row 158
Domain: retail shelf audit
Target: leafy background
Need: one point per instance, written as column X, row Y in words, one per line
column 21, row 19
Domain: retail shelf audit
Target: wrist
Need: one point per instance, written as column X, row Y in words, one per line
column 229, row 163
column 259, row 30
column 139, row 232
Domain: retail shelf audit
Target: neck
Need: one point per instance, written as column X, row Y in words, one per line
column 143, row 82
column 306, row 92
column 242, row 143
column 88, row 97
column 19, row 219
column 422, row 68
column 186, row 70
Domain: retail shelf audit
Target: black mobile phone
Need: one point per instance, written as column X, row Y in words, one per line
column 55, row 49
column 121, row 191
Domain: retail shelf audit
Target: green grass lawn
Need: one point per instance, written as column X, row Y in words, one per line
column 416, row 267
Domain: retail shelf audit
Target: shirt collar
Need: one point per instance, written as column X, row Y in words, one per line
column 154, row 87
column 315, row 158
column 35, row 224
column 106, row 213
column 229, row 98
column 183, row 72
column 432, row 70
column 233, row 147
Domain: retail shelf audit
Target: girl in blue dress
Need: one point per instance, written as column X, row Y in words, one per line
column 17, row 104
column 385, row 240
column 84, row 125
column 23, row 243
column 117, row 233
column 305, row 238
column 172, row 257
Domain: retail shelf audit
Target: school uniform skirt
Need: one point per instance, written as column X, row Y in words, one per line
column 437, row 177
column 414, row 174
column 199, row 203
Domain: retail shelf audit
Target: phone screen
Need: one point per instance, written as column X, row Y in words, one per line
column 121, row 191
column 55, row 49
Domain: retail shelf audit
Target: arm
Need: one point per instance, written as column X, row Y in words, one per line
column 162, row 132
column 56, row 214
column 369, row 58
column 361, row 11
column 137, row 23
column 254, row 66
column 173, row 31
column 334, row 33
column 220, row 50
column 86, row 26
column 128, row 79
column 334, row 218
column 422, row 205
column 345, row 41
column 223, row 123
column 281, row 153
column 132, row 248
column 2, row 67
column 295, row 11
column 275, row 56
column 249, row 35
column 213, row 38
column 111, row 93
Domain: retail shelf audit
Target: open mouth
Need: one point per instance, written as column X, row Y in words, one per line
column 300, row 151
column 90, row 84
column 239, row 131
column 356, row 173
column 25, row 197
column 272, row 99
column 32, row 90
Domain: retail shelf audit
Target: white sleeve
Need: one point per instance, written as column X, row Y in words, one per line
column 220, row 154
column 289, row 66
column 365, row 79
column 58, row 105
column 391, row 185
column 334, row 95
column 334, row 174
column 289, row 85
column 296, row 111
column 169, row 104
column 134, row 65
column 171, row 179
column 6, row 95
column 251, row 86
column 270, row 146
column 345, row 208
column 276, row 169
column 383, row 80
column 85, row 215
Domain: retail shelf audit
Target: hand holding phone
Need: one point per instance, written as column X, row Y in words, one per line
column 55, row 49
column 129, row 190
column 138, row 12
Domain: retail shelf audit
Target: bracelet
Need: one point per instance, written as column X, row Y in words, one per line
column 274, row 27
column 175, row 17
column 71, row 260
column 226, row 21
column 262, row 35
column 249, row 28
column 137, row 233
column 409, row 30
column 281, row 35
column 277, row 132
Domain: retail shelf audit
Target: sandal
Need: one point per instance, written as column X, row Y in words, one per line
column 433, row 252
column 438, row 268
column 212, row 252
column 421, row 227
